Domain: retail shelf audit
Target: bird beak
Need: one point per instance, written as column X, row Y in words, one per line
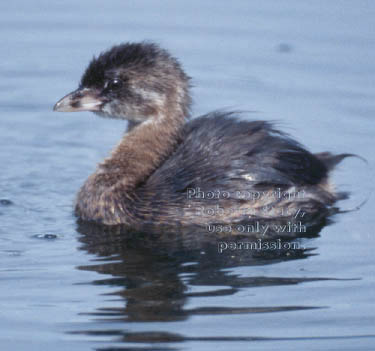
column 80, row 100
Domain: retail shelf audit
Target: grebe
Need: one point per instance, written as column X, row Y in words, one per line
column 213, row 169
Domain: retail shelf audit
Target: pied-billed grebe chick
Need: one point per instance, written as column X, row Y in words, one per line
column 213, row 169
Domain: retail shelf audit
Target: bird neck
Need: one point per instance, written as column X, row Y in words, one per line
column 142, row 150
column 107, row 195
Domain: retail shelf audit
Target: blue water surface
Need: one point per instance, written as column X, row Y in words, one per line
column 309, row 65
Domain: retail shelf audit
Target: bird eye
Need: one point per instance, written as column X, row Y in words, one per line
column 113, row 84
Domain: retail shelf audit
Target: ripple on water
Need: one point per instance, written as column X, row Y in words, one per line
column 6, row 202
column 12, row 253
column 47, row 236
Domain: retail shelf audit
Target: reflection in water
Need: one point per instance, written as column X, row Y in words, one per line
column 153, row 272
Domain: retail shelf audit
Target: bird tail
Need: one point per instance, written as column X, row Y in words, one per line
column 330, row 160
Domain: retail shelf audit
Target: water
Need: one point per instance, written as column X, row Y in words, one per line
column 308, row 65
